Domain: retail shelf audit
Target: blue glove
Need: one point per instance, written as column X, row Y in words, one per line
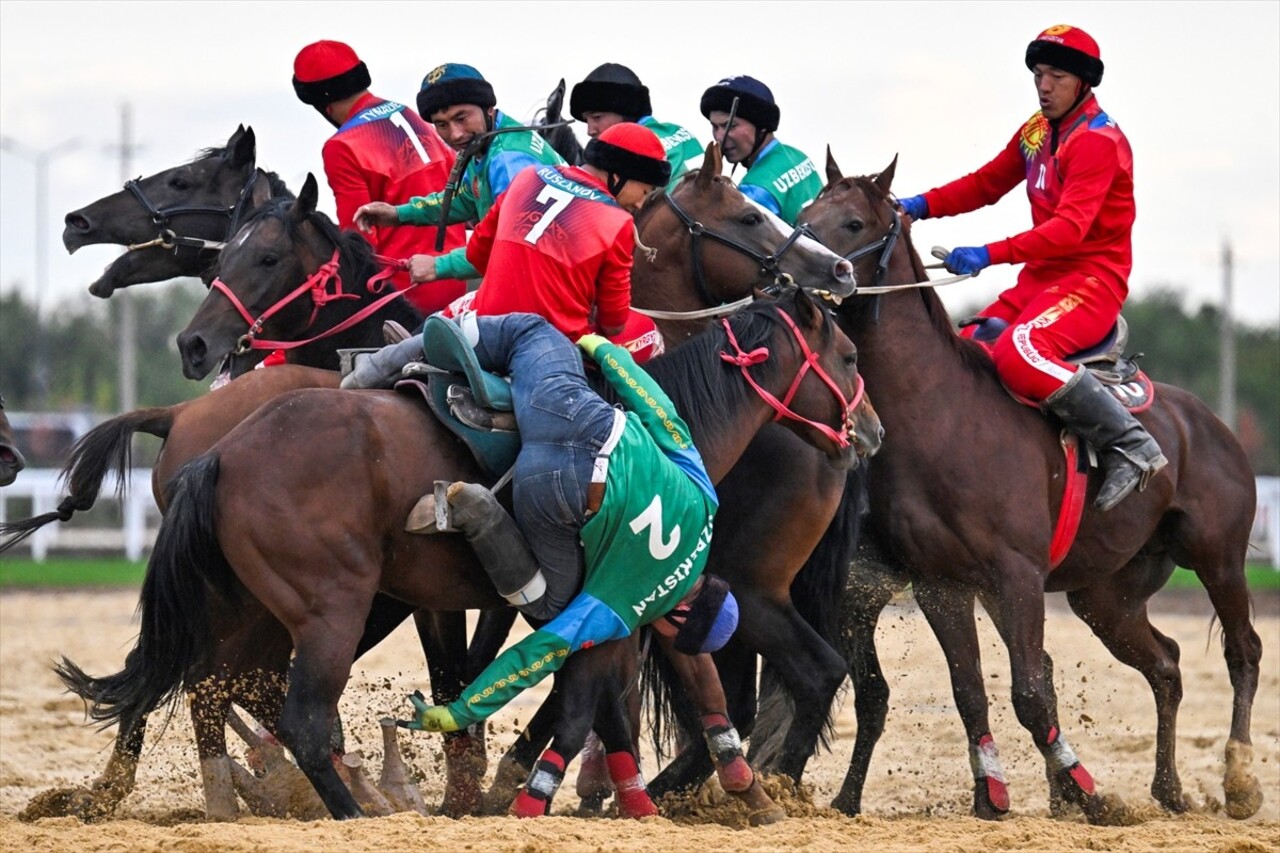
column 915, row 207
column 428, row 718
column 967, row 260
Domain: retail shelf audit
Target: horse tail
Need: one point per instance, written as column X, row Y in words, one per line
column 664, row 701
column 174, row 633
column 816, row 592
column 105, row 449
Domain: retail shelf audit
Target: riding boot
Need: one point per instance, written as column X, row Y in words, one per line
column 381, row 368
column 1129, row 454
column 497, row 541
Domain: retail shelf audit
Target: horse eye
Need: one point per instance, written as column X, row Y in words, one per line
column 855, row 226
column 851, row 359
column 180, row 184
column 269, row 260
column 752, row 218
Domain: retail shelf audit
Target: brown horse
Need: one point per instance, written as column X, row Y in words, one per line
column 225, row 518
column 963, row 501
column 11, row 461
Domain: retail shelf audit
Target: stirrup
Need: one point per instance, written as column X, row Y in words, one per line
column 463, row 406
column 431, row 513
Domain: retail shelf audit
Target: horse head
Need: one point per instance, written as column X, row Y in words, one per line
column 706, row 231
column 562, row 138
column 11, row 461
column 275, row 274
column 173, row 221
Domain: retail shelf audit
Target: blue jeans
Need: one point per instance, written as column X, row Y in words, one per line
column 563, row 424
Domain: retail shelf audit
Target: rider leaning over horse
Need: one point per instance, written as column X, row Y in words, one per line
column 461, row 104
column 743, row 117
column 1079, row 173
column 612, row 94
column 382, row 151
column 559, row 243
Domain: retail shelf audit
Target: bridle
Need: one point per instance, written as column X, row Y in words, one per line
column 885, row 246
column 167, row 238
column 769, row 264
column 783, row 408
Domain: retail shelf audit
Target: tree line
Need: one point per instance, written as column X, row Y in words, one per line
column 69, row 359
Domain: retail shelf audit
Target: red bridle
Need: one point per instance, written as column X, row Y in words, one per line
column 318, row 285
column 745, row 359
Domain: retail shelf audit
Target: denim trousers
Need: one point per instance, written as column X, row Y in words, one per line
column 563, row 424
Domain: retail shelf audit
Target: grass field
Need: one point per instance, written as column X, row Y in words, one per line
column 106, row 571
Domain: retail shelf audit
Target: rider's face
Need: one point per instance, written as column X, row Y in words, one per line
column 735, row 142
column 460, row 123
column 631, row 195
column 599, row 121
column 1057, row 89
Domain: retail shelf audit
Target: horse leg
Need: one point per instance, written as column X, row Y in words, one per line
column 949, row 611
column 863, row 604
column 321, row 667
column 613, row 719
column 517, row 762
column 444, row 642
column 105, row 793
column 1115, row 609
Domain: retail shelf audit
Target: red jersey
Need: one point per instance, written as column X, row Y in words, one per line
column 1079, row 174
column 386, row 152
column 556, row 244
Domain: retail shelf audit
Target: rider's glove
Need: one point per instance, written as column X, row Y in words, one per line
column 967, row 260
column 915, row 207
column 429, row 718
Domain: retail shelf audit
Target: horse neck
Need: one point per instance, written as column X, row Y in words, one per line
column 662, row 280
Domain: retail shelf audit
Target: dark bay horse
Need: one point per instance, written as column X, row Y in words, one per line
column 174, row 221
column 317, row 560
column 963, row 500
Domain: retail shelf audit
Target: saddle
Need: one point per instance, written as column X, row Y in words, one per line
column 1106, row 360
column 473, row 403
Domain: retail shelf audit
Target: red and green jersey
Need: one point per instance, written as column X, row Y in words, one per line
column 1079, row 176
column 556, row 244
column 644, row 549
column 386, row 152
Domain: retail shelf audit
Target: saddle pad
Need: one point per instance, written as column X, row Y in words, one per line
column 495, row 451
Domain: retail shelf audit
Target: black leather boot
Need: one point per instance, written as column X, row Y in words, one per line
column 1129, row 453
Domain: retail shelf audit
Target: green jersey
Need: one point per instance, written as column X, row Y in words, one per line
column 680, row 145
column 783, row 179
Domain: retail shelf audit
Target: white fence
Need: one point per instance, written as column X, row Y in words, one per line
column 139, row 517
column 133, row 535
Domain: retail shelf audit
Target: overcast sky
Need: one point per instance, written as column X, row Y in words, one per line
column 1195, row 86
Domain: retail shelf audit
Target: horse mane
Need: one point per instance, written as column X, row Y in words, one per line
column 274, row 181
column 355, row 253
column 970, row 354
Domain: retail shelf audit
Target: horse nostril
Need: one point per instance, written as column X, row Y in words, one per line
column 844, row 271
column 79, row 222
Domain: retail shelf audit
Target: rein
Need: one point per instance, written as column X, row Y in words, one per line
column 161, row 217
column 745, row 360
column 317, row 285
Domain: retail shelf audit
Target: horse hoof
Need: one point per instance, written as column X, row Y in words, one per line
column 66, row 802
column 1244, row 796
column 990, row 799
column 1109, row 810
column 764, row 817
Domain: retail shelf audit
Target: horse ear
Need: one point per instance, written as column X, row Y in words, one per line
column 555, row 103
column 242, row 147
column 306, row 203
column 833, row 170
column 807, row 310
column 710, row 166
column 884, row 180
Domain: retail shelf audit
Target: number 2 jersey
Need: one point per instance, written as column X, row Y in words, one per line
column 385, row 152
column 556, row 244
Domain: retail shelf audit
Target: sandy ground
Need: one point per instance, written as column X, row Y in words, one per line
column 917, row 798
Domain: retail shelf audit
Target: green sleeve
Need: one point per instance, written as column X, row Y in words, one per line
column 515, row 670
column 639, row 393
column 454, row 264
column 425, row 209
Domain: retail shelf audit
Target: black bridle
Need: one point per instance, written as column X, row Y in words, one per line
column 162, row 217
column 768, row 263
column 884, row 246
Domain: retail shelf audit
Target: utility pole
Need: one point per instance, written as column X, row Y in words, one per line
column 128, row 331
column 1227, row 345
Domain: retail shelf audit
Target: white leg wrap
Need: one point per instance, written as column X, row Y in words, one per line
column 1060, row 755
column 984, row 759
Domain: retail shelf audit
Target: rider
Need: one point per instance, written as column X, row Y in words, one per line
column 1079, row 172
column 612, row 94
column 560, row 243
column 462, row 106
column 593, row 486
column 381, row 151
column 781, row 178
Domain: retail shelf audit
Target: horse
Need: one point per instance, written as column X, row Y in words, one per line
column 190, row 428
column 552, row 125
column 174, row 222
column 962, row 507
column 11, row 461
column 318, row 570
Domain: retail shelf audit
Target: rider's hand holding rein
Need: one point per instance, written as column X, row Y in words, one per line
column 374, row 214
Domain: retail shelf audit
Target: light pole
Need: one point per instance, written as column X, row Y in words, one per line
column 40, row 158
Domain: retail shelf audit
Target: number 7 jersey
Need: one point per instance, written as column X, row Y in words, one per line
column 556, row 244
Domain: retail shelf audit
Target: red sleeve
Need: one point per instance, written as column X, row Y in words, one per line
column 613, row 284
column 983, row 187
column 1088, row 165
column 480, row 245
column 350, row 188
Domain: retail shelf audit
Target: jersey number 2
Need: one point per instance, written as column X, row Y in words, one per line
column 559, row 201
column 652, row 519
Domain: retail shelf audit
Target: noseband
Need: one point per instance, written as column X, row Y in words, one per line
column 162, row 217
column 783, row 408
column 768, row 263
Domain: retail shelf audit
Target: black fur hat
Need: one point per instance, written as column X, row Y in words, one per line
column 611, row 88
